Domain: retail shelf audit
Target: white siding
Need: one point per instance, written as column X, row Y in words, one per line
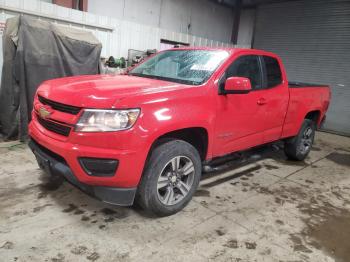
column 116, row 35
column 198, row 17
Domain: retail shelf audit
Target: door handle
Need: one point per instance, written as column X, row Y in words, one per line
column 261, row 101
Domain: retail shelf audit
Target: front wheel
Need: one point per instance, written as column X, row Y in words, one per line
column 298, row 147
column 170, row 178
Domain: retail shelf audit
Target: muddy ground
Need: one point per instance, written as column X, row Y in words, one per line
column 256, row 206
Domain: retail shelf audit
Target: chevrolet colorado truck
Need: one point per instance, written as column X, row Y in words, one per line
column 144, row 136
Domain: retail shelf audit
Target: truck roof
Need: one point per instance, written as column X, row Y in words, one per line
column 231, row 50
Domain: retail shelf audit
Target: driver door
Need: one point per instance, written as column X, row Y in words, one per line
column 240, row 118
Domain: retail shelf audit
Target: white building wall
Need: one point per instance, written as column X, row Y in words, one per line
column 198, row 17
column 116, row 35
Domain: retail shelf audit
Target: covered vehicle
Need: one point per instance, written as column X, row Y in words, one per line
column 35, row 51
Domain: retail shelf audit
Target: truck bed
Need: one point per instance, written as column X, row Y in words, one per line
column 301, row 85
column 303, row 98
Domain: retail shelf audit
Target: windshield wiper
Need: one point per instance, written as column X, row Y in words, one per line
column 144, row 75
column 176, row 80
column 136, row 74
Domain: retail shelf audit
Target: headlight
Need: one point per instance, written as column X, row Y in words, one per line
column 97, row 120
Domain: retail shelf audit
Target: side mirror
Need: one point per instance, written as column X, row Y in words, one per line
column 237, row 85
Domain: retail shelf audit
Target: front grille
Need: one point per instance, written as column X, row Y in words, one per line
column 54, row 127
column 60, row 107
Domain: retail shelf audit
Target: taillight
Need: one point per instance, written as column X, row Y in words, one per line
column 326, row 105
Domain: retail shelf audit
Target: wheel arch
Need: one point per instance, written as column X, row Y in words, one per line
column 314, row 115
column 196, row 136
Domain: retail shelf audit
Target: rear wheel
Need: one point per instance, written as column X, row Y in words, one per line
column 298, row 147
column 170, row 178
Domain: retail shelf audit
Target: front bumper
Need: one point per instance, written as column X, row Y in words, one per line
column 110, row 145
column 55, row 165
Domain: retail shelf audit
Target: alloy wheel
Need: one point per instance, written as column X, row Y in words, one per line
column 175, row 180
column 306, row 140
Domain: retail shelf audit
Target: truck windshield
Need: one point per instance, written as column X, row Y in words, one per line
column 192, row 67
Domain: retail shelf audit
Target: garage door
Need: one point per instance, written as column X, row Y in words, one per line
column 313, row 39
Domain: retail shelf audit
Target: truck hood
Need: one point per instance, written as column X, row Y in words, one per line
column 102, row 91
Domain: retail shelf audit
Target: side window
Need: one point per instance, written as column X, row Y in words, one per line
column 246, row 66
column 273, row 71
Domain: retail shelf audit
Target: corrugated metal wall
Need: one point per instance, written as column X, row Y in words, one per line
column 117, row 36
column 313, row 39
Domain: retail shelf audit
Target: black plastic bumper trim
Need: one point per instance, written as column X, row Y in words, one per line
column 99, row 167
column 54, row 167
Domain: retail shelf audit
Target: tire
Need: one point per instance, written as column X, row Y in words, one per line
column 298, row 147
column 158, row 192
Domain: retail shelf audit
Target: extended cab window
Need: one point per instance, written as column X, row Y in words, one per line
column 246, row 66
column 273, row 71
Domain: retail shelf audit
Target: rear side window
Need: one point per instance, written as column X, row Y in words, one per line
column 273, row 71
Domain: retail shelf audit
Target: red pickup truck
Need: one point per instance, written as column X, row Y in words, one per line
column 145, row 135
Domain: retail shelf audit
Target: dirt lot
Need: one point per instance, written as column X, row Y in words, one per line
column 260, row 207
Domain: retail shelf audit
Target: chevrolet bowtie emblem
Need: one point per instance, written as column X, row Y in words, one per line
column 44, row 112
